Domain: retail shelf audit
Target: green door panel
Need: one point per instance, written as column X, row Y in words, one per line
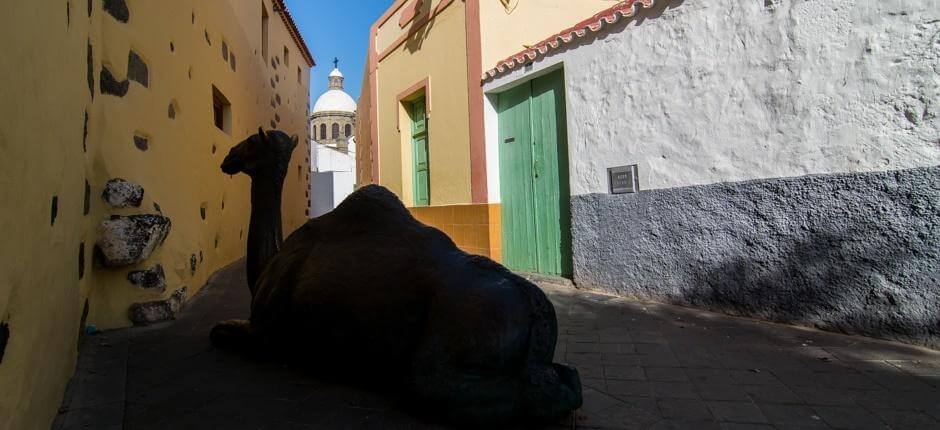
column 550, row 174
column 516, row 185
column 534, row 177
column 419, row 148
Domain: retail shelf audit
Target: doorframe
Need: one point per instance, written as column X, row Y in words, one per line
column 404, row 101
column 491, row 90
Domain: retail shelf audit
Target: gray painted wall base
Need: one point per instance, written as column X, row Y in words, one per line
column 857, row 253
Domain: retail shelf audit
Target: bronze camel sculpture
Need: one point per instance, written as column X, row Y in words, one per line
column 368, row 288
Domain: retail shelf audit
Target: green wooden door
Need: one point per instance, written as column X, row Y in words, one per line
column 419, row 145
column 533, row 171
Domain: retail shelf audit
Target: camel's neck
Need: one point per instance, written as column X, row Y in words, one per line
column 264, row 228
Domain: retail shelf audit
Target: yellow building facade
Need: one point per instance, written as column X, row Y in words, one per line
column 436, row 52
column 155, row 94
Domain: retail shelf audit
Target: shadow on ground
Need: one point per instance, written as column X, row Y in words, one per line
column 643, row 365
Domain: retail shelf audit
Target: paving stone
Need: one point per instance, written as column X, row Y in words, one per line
column 754, row 377
column 665, row 374
column 745, row 412
column 685, row 409
column 678, row 390
column 709, row 376
column 618, row 359
column 843, row 417
column 771, row 394
column 791, row 415
column 721, row 392
column 629, row 388
column 633, row 373
column 746, row 426
column 595, row 400
column 900, row 419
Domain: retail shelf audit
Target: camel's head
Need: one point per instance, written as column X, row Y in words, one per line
column 260, row 154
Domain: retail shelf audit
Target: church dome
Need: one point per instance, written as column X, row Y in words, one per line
column 334, row 100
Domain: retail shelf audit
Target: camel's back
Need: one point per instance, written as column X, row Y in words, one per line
column 354, row 278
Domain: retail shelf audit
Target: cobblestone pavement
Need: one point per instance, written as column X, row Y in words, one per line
column 643, row 365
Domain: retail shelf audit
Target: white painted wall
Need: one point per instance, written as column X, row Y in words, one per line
column 700, row 92
column 332, row 178
column 328, row 190
column 328, row 159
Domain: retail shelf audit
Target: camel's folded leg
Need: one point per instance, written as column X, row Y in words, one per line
column 234, row 334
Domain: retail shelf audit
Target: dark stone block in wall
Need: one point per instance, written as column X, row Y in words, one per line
column 87, row 207
column 153, row 278
column 85, row 134
column 157, row 311
column 55, row 209
column 110, row 85
column 125, row 240
column 117, row 9
column 137, row 69
column 120, row 193
column 856, row 253
column 4, row 339
column 81, row 261
column 142, row 143
column 90, row 64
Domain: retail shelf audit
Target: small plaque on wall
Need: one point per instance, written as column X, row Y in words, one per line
column 623, row 179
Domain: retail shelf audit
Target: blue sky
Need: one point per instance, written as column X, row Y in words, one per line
column 336, row 29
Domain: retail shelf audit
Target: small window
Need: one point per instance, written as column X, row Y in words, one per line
column 264, row 31
column 322, row 131
column 335, row 130
column 286, row 57
column 348, row 130
column 221, row 111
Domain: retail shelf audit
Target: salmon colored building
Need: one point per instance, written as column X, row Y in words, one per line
column 421, row 131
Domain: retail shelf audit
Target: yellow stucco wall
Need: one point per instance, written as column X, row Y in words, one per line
column 505, row 33
column 436, row 52
column 41, row 151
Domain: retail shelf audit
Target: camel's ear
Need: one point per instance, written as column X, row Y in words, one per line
column 261, row 135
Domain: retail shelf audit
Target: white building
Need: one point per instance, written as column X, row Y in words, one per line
column 771, row 159
column 333, row 154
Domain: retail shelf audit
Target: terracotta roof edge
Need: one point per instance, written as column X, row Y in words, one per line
column 594, row 24
column 281, row 8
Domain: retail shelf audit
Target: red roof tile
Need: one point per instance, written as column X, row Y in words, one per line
column 288, row 20
column 624, row 9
